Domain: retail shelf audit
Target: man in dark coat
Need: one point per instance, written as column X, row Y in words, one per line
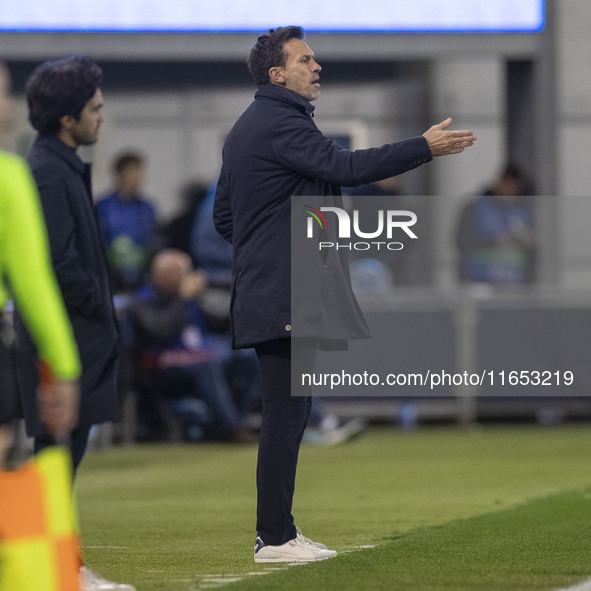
column 65, row 102
column 273, row 152
column 65, row 106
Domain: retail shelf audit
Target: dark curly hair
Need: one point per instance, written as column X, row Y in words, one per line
column 268, row 52
column 61, row 87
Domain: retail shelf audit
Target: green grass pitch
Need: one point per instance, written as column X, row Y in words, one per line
column 496, row 508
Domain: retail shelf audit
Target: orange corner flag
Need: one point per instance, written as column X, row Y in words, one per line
column 38, row 530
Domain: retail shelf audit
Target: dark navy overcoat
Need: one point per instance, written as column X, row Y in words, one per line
column 274, row 152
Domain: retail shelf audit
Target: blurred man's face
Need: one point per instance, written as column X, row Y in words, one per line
column 508, row 190
column 167, row 277
column 508, row 187
column 5, row 100
column 169, row 268
column 130, row 180
column 84, row 132
column 301, row 72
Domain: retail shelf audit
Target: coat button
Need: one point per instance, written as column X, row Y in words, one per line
column 288, row 327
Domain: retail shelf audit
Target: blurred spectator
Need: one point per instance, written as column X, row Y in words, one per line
column 495, row 235
column 128, row 224
column 371, row 277
column 214, row 255
column 177, row 232
column 175, row 361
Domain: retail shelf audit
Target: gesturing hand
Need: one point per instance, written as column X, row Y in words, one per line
column 443, row 141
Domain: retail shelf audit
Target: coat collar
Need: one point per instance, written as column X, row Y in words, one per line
column 64, row 151
column 284, row 95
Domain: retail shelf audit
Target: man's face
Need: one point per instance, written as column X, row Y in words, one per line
column 85, row 131
column 301, row 71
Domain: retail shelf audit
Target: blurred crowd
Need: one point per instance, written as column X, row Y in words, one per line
column 171, row 285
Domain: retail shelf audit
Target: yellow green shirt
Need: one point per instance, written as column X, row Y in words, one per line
column 25, row 266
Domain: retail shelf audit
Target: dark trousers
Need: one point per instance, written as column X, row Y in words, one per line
column 78, row 441
column 285, row 415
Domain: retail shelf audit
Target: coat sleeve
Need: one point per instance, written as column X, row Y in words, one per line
column 32, row 279
column 222, row 208
column 299, row 145
column 79, row 290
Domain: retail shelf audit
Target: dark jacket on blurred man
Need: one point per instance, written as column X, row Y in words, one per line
column 80, row 267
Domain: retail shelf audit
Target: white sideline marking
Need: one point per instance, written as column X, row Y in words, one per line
column 584, row 586
column 215, row 583
column 105, row 547
column 218, row 580
column 356, row 548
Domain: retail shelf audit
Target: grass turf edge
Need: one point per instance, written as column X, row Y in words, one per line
column 543, row 544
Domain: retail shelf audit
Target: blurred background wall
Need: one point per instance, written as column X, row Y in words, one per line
column 527, row 97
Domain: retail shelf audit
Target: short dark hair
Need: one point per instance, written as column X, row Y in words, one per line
column 268, row 51
column 126, row 159
column 61, row 87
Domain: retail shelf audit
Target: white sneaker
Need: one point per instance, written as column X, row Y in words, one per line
column 344, row 432
column 309, row 541
column 300, row 549
column 91, row 581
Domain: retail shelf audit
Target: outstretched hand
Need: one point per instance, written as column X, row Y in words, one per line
column 443, row 141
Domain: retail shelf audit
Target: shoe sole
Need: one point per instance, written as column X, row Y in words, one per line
column 262, row 560
column 285, row 559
